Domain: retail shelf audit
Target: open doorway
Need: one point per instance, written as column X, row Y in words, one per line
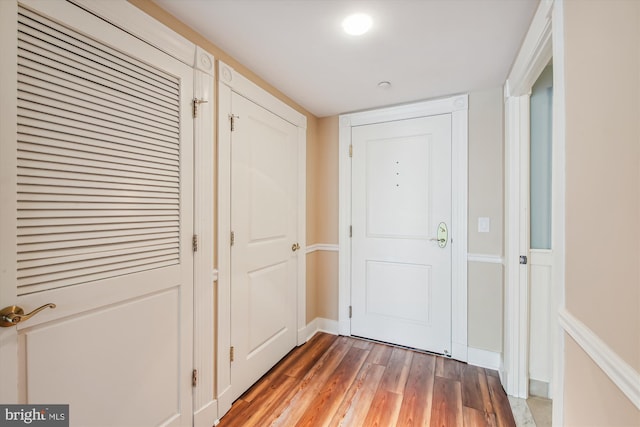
column 540, row 256
column 525, row 267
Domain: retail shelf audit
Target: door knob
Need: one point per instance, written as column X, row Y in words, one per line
column 12, row 315
column 295, row 247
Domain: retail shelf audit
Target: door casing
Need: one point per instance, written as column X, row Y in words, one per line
column 458, row 107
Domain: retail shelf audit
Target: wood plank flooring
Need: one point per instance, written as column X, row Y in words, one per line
column 343, row 381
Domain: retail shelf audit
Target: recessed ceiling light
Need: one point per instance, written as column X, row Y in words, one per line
column 357, row 24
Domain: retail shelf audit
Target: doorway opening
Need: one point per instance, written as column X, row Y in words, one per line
column 540, row 254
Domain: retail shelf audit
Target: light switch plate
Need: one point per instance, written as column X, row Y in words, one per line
column 484, row 225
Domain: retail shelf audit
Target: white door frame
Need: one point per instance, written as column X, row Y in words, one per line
column 124, row 15
column 543, row 41
column 229, row 80
column 458, row 107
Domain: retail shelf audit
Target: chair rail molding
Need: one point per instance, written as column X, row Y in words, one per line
column 326, row 247
column 620, row 372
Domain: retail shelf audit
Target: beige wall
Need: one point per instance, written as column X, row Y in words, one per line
column 327, row 204
column 485, row 312
column 486, row 182
column 592, row 399
column 322, row 223
column 602, row 138
column 322, row 163
column 486, row 170
column 602, row 78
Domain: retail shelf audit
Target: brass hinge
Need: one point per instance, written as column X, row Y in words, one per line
column 194, row 243
column 194, row 378
column 231, row 353
column 350, row 150
column 232, row 119
column 233, row 238
column 351, row 231
column 197, row 102
column 350, row 312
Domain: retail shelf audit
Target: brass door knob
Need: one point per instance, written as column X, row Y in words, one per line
column 295, row 247
column 12, row 315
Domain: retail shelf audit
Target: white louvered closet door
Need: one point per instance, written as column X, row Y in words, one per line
column 99, row 222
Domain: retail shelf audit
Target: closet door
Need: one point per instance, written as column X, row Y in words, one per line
column 96, row 220
column 264, row 255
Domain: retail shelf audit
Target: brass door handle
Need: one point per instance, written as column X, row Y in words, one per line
column 12, row 315
column 295, row 247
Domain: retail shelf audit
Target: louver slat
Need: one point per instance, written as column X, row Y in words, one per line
column 33, row 74
column 113, row 106
column 132, row 247
column 32, row 24
column 93, row 112
column 91, row 136
column 98, row 160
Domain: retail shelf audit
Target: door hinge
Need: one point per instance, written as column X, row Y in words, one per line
column 197, row 102
column 233, row 238
column 350, row 150
column 351, row 231
column 194, row 243
column 194, row 378
column 231, row 353
column 350, row 312
column 232, row 120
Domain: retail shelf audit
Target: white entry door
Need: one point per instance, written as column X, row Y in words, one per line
column 401, row 249
column 264, row 183
column 96, row 218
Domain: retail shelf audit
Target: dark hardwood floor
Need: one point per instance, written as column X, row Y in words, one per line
column 343, row 381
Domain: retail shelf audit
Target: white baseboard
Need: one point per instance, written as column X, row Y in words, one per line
column 319, row 324
column 618, row 370
column 539, row 388
column 329, row 326
column 483, row 358
column 308, row 331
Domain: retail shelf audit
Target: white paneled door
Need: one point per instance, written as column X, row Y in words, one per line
column 97, row 183
column 401, row 248
column 264, row 204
